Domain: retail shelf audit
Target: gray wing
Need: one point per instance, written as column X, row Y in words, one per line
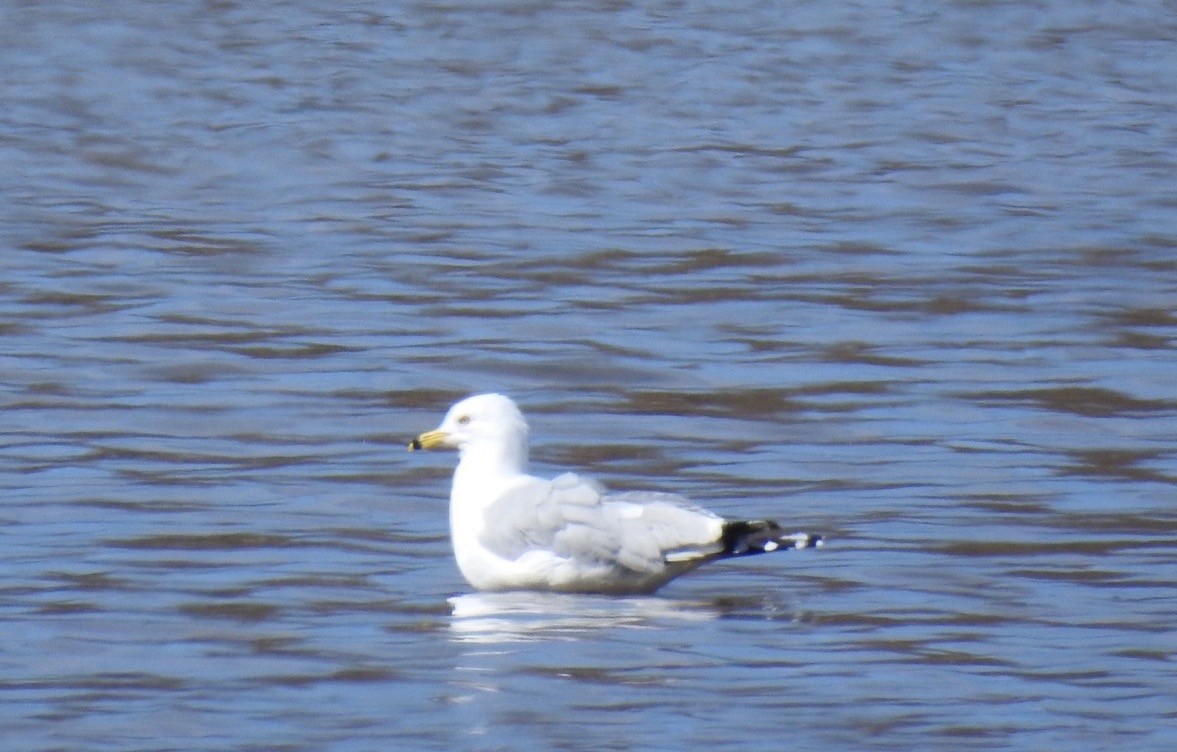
column 573, row 517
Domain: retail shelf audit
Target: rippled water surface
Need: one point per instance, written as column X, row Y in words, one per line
column 905, row 275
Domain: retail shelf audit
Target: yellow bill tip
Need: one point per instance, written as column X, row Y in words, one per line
column 429, row 440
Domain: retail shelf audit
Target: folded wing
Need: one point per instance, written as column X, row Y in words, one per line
column 574, row 518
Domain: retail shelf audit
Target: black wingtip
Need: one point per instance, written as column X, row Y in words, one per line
column 811, row 540
column 745, row 538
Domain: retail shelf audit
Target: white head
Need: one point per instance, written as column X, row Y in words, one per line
column 486, row 427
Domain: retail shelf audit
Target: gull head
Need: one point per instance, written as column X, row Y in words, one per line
column 485, row 424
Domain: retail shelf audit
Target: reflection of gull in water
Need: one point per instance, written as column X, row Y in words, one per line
column 522, row 616
column 513, row 531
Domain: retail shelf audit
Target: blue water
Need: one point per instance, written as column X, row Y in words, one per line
column 902, row 275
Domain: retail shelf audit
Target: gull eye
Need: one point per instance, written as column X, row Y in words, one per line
column 464, row 420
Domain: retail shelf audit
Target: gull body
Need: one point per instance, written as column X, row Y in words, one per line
column 514, row 531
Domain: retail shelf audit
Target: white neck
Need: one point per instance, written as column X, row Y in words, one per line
column 483, row 466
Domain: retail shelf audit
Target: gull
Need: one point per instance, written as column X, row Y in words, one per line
column 514, row 531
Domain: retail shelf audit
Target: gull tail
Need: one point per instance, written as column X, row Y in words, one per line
column 744, row 538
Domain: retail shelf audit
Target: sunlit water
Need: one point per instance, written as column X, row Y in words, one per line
column 903, row 275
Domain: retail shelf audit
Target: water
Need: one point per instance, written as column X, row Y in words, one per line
column 903, row 275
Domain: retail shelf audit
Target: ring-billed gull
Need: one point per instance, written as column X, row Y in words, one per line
column 514, row 531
